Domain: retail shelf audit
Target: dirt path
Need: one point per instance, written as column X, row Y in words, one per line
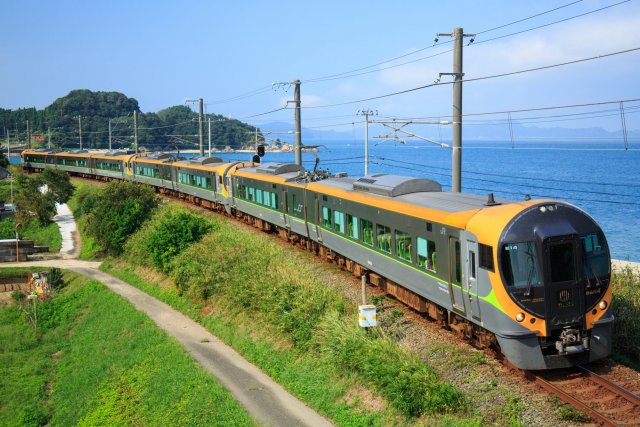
column 265, row 400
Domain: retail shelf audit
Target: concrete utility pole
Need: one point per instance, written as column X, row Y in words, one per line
column 366, row 113
column 28, row 135
column 200, row 126
column 456, row 154
column 80, row 130
column 135, row 130
column 209, row 136
column 298, row 136
column 49, row 137
column 109, row 134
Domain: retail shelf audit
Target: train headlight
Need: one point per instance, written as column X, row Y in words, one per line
column 520, row 317
column 543, row 209
column 602, row 305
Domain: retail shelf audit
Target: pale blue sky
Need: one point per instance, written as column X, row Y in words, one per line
column 163, row 52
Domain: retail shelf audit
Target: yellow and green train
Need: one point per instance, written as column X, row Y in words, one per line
column 530, row 277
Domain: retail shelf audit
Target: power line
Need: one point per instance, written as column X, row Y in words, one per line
column 552, row 23
column 522, row 194
column 514, row 176
column 360, row 71
column 477, row 79
column 528, row 18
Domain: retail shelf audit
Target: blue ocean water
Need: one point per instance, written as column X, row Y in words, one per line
column 602, row 178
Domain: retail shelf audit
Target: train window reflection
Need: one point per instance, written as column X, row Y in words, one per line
column 520, row 265
column 594, row 252
column 562, row 262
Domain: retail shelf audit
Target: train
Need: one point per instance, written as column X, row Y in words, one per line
column 530, row 278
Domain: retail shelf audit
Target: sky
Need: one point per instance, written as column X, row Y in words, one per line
column 229, row 53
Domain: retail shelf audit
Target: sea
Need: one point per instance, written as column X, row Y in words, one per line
column 601, row 178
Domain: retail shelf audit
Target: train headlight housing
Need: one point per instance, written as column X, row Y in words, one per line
column 520, row 317
column 602, row 305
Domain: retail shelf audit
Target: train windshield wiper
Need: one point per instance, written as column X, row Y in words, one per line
column 531, row 271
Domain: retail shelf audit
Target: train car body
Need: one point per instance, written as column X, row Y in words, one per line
column 530, row 277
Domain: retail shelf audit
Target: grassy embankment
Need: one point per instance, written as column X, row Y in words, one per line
column 264, row 301
column 253, row 294
column 43, row 236
column 95, row 360
column 626, row 305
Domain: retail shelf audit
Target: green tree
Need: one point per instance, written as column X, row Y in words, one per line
column 58, row 183
column 31, row 203
column 119, row 210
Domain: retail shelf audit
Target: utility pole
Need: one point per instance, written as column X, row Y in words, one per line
column 28, row 135
column 109, row 134
column 209, row 136
column 80, row 130
column 456, row 137
column 366, row 113
column 298, row 136
column 135, row 130
column 49, row 137
column 8, row 141
column 200, row 127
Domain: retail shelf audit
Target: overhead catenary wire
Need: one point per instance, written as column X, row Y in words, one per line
column 522, row 193
column 511, row 73
column 511, row 177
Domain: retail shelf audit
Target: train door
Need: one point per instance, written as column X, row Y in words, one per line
column 286, row 208
column 317, row 216
column 472, row 278
column 456, row 275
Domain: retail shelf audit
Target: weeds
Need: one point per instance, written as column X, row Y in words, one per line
column 626, row 308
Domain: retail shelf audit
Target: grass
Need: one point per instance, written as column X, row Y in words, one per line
column 259, row 297
column 48, row 235
column 79, row 369
column 626, row 308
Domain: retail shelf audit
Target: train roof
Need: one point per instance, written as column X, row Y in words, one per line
column 274, row 172
column 416, row 191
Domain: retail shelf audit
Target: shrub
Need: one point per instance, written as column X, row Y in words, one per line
column 118, row 211
column 56, row 281
column 626, row 308
column 175, row 231
column 17, row 296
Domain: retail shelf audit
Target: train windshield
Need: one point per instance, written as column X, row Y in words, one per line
column 595, row 261
column 520, row 265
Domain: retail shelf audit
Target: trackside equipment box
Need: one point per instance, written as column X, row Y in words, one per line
column 367, row 316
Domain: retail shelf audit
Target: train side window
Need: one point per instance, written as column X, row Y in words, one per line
column 456, row 263
column 472, row 265
column 326, row 217
column 252, row 193
column 367, row 232
column 426, row 254
column 486, row 257
column 274, row 200
column 404, row 247
column 338, row 221
column 383, row 236
column 352, row 226
column 259, row 197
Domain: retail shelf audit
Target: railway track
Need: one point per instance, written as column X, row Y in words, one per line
column 605, row 402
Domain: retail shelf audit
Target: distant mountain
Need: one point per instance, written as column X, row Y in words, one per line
column 470, row 132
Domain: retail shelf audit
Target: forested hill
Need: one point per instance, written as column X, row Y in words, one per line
column 177, row 125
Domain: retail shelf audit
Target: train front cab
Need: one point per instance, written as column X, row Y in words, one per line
column 555, row 266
